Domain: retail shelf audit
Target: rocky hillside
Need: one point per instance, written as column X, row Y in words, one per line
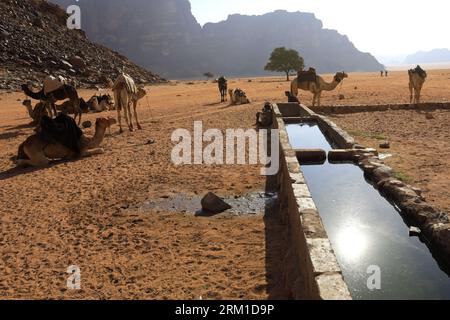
column 164, row 36
column 34, row 41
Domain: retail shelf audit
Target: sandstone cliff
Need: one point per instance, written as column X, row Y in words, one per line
column 164, row 36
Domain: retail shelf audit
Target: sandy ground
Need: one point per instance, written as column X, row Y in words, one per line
column 86, row 212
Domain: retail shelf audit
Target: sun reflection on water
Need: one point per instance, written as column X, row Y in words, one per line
column 352, row 242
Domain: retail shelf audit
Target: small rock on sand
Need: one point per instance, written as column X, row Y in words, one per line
column 86, row 124
column 214, row 204
column 429, row 116
column 385, row 145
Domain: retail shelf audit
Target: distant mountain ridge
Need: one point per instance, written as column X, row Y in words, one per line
column 164, row 36
column 433, row 56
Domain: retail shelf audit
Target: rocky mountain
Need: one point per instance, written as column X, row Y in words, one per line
column 433, row 56
column 35, row 41
column 164, row 36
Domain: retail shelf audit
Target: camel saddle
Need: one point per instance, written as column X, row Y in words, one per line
column 52, row 84
column 419, row 71
column 307, row 76
column 63, row 129
column 128, row 81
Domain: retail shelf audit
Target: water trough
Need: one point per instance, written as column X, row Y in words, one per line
column 342, row 217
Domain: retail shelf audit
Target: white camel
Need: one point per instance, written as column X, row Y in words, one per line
column 125, row 93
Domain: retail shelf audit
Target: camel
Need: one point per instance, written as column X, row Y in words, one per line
column 316, row 87
column 37, row 112
column 238, row 96
column 36, row 150
column 65, row 91
column 125, row 93
column 417, row 78
column 223, row 86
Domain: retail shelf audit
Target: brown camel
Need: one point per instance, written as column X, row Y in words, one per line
column 417, row 78
column 316, row 87
column 65, row 91
column 37, row 112
column 223, row 86
column 238, row 96
column 125, row 93
column 36, row 151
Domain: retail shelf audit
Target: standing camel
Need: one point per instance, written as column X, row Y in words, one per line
column 125, row 93
column 316, row 87
column 417, row 78
column 65, row 91
column 223, row 86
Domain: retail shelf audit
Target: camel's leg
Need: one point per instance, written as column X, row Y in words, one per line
column 418, row 92
column 49, row 109
column 126, row 111
column 36, row 157
column 314, row 99
column 136, row 116
column 119, row 118
column 92, row 152
column 55, row 112
column 411, row 89
column 78, row 111
column 294, row 88
column 130, row 116
column 318, row 99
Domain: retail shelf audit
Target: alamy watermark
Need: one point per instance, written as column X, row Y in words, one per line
column 74, row 19
column 228, row 148
column 374, row 280
column 74, row 279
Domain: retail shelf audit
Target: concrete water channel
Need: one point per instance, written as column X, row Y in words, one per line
column 366, row 230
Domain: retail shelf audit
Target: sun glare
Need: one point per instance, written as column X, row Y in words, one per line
column 352, row 242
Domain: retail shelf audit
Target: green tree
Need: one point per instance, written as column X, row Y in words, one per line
column 208, row 75
column 282, row 60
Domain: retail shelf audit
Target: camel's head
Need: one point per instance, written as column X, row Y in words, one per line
column 103, row 123
column 340, row 76
column 141, row 93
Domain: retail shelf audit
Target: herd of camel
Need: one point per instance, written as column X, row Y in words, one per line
column 58, row 136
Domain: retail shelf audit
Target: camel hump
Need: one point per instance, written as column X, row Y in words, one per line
column 52, row 83
column 307, row 76
column 126, row 80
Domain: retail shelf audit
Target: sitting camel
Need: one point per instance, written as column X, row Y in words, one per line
column 101, row 103
column 37, row 112
column 125, row 93
column 317, row 86
column 417, row 78
column 238, row 96
column 223, row 86
column 39, row 148
column 57, row 93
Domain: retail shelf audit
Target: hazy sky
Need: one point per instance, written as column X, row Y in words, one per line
column 381, row 27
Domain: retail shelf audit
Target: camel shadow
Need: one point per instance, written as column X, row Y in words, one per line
column 11, row 135
column 20, row 126
column 212, row 104
column 18, row 171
